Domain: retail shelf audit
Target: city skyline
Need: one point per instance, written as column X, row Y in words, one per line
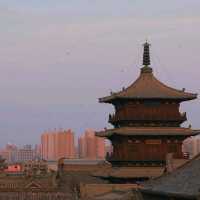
column 91, row 49
column 57, row 144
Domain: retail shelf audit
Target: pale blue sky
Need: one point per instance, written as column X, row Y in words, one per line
column 58, row 57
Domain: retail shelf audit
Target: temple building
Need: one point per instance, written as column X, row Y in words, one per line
column 147, row 126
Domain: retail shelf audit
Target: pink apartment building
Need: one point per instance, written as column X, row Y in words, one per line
column 191, row 146
column 57, row 144
column 90, row 146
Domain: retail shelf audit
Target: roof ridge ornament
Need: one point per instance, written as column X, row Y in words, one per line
column 146, row 58
column 146, row 54
column 148, row 87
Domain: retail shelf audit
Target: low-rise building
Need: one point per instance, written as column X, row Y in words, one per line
column 31, row 168
column 73, row 165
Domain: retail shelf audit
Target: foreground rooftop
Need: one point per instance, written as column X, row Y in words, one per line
column 184, row 181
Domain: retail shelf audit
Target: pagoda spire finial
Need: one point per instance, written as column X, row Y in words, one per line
column 146, row 54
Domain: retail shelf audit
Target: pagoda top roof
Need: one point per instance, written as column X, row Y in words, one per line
column 147, row 86
column 148, row 131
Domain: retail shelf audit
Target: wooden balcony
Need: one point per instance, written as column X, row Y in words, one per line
column 119, row 163
column 115, row 118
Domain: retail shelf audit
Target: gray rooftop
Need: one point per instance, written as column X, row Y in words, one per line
column 183, row 181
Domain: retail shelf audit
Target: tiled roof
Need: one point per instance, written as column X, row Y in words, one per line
column 116, row 195
column 148, row 87
column 69, row 178
column 131, row 172
column 183, row 181
column 19, row 183
column 84, row 162
column 152, row 131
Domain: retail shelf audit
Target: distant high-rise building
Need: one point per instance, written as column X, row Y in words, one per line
column 38, row 151
column 82, row 146
column 48, row 145
column 65, row 144
column 24, row 154
column 100, row 147
column 90, row 146
column 8, row 152
column 27, row 146
column 192, row 146
column 57, row 144
column 10, row 147
column 13, row 154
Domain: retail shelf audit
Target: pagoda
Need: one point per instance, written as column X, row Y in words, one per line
column 147, row 121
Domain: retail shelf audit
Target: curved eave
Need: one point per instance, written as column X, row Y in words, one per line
column 196, row 132
column 112, row 98
column 147, row 86
column 154, row 131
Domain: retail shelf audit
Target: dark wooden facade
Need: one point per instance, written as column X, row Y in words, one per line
column 152, row 108
column 145, row 149
column 147, row 113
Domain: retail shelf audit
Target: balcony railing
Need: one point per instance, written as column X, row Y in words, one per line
column 116, row 118
column 116, row 162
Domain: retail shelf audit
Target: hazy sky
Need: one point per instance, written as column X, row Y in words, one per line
column 58, row 57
